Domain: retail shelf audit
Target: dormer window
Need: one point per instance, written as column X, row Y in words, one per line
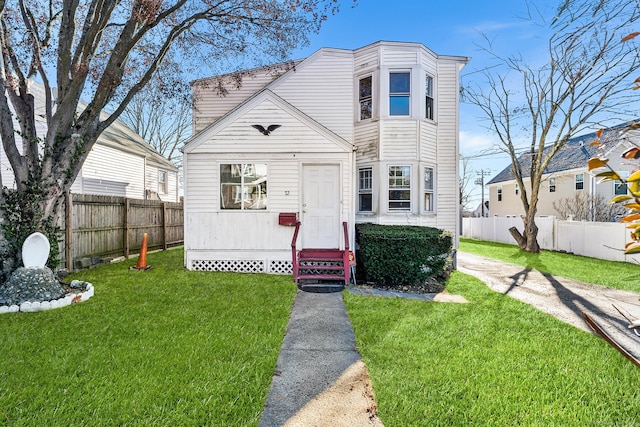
column 399, row 93
column 365, row 98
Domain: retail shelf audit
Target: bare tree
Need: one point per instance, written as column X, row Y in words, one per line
column 586, row 207
column 465, row 184
column 163, row 121
column 584, row 80
column 105, row 52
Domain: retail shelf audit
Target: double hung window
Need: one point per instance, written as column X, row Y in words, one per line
column 399, row 188
column 365, row 187
column 365, row 97
column 399, row 93
column 579, row 181
column 552, row 185
column 499, row 193
column 428, row 92
column 243, row 186
column 428, row 189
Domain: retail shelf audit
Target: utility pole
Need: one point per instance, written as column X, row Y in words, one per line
column 480, row 181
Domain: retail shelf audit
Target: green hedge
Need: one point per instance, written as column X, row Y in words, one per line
column 401, row 255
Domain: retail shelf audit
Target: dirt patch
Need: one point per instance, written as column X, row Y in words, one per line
column 349, row 402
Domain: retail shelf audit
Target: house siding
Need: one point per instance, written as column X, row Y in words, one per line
column 112, row 165
column 323, row 89
column 209, row 105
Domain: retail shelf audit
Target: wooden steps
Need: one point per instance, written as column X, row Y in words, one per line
column 321, row 270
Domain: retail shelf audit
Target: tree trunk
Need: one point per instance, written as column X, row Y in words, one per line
column 529, row 240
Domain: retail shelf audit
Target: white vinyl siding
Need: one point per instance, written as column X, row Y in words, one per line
column 115, row 166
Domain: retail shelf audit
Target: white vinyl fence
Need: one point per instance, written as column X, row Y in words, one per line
column 603, row 240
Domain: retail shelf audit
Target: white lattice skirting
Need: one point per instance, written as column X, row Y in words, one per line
column 243, row 266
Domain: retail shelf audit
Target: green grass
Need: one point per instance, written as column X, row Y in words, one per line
column 495, row 361
column 166, row 347
column 617, row 275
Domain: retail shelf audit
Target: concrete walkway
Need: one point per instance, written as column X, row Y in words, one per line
column 319, row 377
column 560, row 297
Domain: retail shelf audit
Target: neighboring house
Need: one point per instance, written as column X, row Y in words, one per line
column 121, row 163
column 343, row 136
column 567, row 174
column 479, row 211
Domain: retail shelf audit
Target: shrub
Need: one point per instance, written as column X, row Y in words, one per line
column 401, row 255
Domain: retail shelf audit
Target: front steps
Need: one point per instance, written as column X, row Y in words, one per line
column 321, row 270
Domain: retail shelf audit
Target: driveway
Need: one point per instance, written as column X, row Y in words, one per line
column 558, row 296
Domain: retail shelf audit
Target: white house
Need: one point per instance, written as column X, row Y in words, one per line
column 341, row 137
column 567, row 174
column 121, row 163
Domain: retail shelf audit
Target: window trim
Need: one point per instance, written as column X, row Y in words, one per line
column 400, row 94
column 499, row 193
column 552, row 184
column 362, row 99
column 401, row 189
column 579, row 183
column 365, row 191
column 517, row 188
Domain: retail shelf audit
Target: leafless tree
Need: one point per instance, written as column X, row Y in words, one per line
column 465, row 184
column 104, row 52
column 584, row 80
column 586, row 207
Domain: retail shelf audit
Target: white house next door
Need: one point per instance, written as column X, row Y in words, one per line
column 321, row 206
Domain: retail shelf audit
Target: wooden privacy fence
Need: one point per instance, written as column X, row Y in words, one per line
column 110, row 226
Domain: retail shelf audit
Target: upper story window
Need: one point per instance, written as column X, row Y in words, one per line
column 399, row 93
column 620, row 187
column 499, row 193
column 428, row 189
column 243, row 186
column 399, row 188
column 365, row 187
column 365, row 97
column 428, row 94
column 552, row 185
column 517, row 189
column 579, row 181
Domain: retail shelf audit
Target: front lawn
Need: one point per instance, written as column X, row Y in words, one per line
column 165, row 347
column 617, row 275
column 493, row 362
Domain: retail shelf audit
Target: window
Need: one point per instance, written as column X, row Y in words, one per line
column 365, row 202
column 620, row 187
column 517, row 189
column 552, row 185
column 428, row 189
column 579, row 181
column 399, row 93
column 243, row 186
column 499, row 193
column 399, row 188
column 365, row 98
column 428, row 92
column 162, row 182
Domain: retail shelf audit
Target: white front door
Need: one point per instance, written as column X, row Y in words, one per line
column 321, row 206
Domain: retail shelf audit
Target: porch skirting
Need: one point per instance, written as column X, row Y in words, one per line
column 255, row 263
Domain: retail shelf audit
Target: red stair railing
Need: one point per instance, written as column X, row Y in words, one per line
column 345, row 254
column 294, row 253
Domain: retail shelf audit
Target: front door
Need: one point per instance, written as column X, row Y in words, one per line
column 321, row 206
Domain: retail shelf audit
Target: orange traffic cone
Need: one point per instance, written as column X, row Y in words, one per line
column 142, row 259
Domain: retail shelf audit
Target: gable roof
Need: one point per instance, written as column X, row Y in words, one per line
column 118, row 135
column 573, row 155
column 264, row 95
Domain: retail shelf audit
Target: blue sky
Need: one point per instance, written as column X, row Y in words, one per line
column 447, row 28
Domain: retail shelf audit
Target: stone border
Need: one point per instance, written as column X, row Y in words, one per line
column 68, row 299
